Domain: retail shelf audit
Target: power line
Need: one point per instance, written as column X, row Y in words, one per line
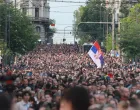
column 79, row 2
column 51, row 11
column 68, row 12
column 65, row 24
column 86, row 2
column 68, row 32
column 59, row 12
column 65, row 30
column 65, row 6
column 66, row 1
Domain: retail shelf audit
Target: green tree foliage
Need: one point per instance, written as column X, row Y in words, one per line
column 108, row 43
column 22, row 34
column 77, row 15
column 124, row 10
column 125, row 7
column 51, row 31
column 95, row 11
column 130, row 32
column 84, row 39
column 1, row 1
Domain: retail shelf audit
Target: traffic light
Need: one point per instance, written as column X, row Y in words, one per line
column 64, row 40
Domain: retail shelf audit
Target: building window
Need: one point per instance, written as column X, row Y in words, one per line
column 36, row 12
column 24, row 10
column 38, row 29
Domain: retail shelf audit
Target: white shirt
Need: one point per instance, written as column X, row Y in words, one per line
column 22, row 105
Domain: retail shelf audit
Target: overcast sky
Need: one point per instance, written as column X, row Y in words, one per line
column 64, row 19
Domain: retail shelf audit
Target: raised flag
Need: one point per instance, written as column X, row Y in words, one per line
column 52, row 24
column 96, row 54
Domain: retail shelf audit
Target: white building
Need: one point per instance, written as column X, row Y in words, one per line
column 39, row 13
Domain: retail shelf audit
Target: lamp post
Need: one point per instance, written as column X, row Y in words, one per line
column 64, row 32
column 5, row 36
column 7, row 28
column 113, row 27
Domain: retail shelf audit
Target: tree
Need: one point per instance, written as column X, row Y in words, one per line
column 108, row 43
column 77, row 15
column 124, row 10
column 94, row 11
column 1, row 1
column 130, row 33
column 125, row 7
column 21, row 36
column 51, row 31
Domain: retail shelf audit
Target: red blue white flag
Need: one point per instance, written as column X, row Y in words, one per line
column 96, row 55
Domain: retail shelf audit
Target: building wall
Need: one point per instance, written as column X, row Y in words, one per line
column 30, row 5
column 42, row 31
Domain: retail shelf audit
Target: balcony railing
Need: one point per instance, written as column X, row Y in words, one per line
column 39, row 19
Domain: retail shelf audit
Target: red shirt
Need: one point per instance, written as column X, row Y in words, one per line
column 110, row 75
column 9, row 73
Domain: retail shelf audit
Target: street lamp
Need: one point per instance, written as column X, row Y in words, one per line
column 7, row 28
column 64, row 33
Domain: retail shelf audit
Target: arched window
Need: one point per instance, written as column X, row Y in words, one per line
column 38, row 29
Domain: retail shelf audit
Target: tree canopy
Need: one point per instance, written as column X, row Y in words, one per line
column 125, row 7
column 130, row 32
column 51, row 31
column 108, row 43
column 124, row 10
column 1, row 1
column 94, row 11
column 21, row 36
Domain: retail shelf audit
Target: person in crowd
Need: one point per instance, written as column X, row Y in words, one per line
column 6, row 102
column 25, row 103
column 62, row 77
column 76, row 98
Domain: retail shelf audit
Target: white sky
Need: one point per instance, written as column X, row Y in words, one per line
column 64, row 18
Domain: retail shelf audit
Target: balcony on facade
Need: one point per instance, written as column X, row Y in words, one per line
column 39, row 19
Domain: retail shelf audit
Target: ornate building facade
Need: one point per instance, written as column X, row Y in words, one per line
column 39, row 12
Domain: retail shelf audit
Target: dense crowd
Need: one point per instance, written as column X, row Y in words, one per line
column 60, row 77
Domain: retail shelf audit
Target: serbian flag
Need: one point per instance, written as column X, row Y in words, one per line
column 96, row 54
column 52, row 24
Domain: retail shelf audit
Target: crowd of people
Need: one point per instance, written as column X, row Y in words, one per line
column 60, row 77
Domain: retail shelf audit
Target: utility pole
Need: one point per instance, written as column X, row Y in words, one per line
column 64, row 39
column 5, row 37
column 75, row 33
column 119, row 29
column 107, row 26
column 9, row 28
column 113, row 25
column 15, row 4
column 74, row 29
